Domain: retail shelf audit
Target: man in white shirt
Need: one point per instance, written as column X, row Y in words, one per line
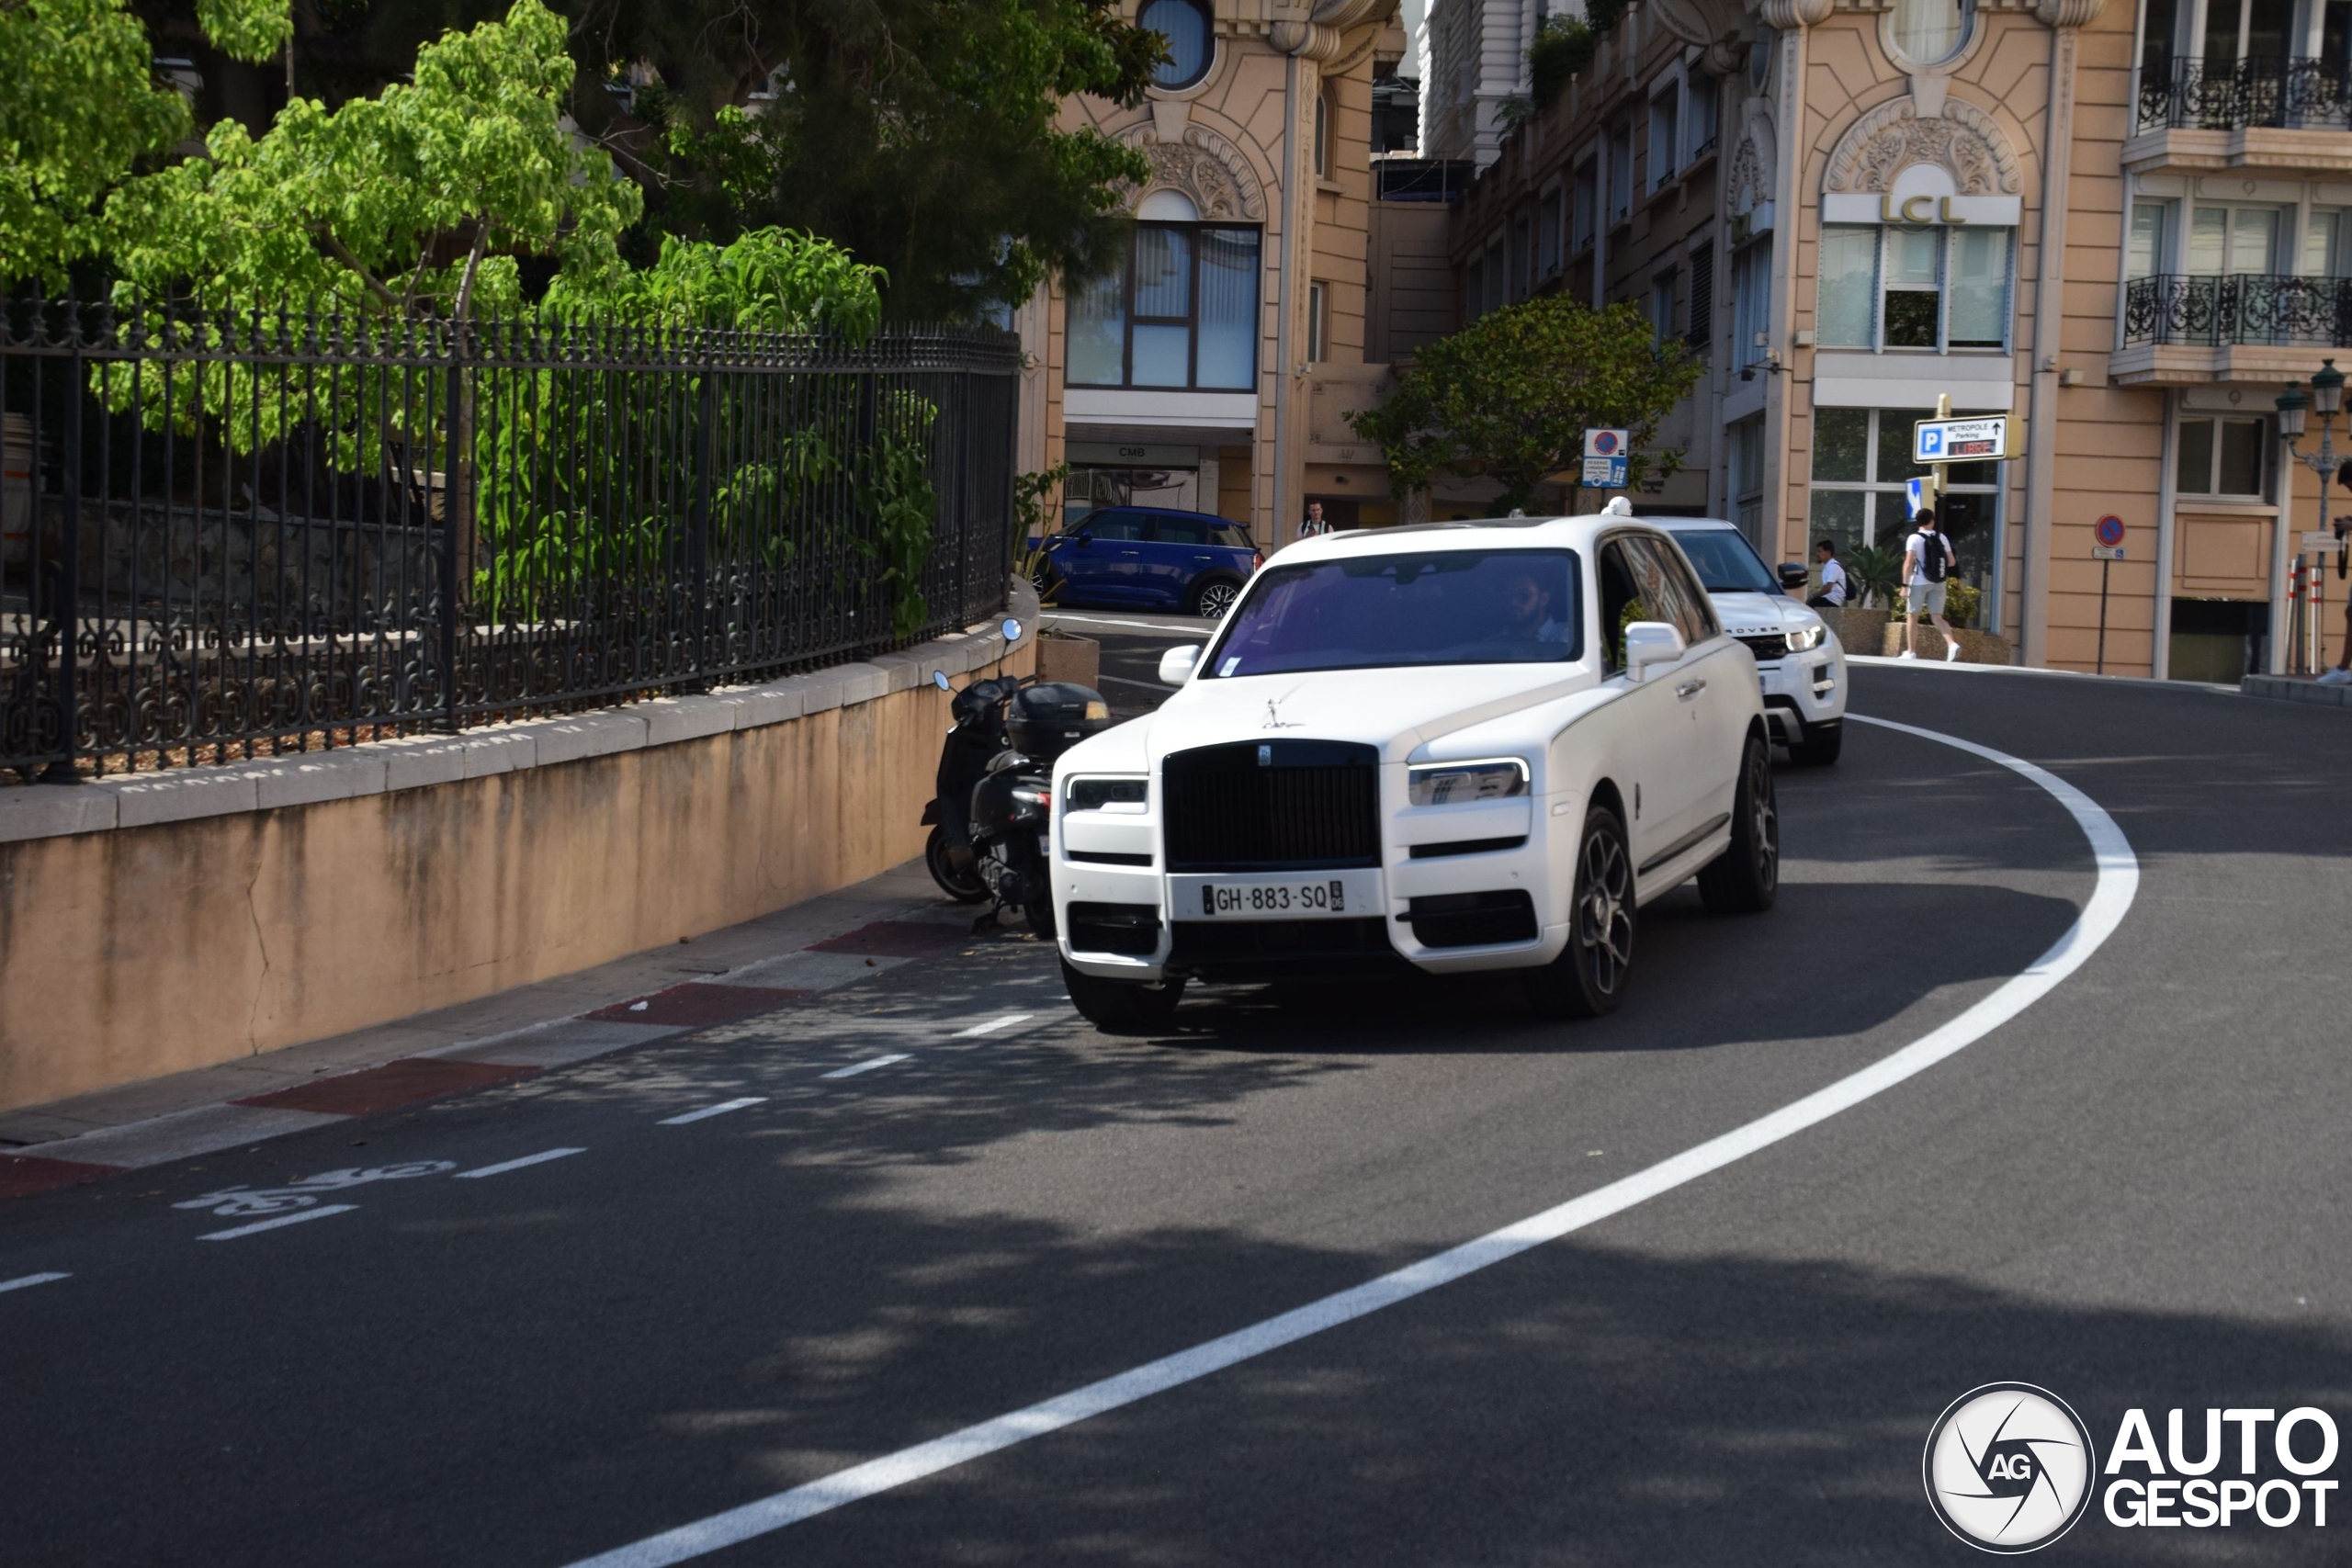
column 1833, row 578
column 1926, row 561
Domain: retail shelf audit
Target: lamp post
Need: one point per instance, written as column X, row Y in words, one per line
column 2327, row 399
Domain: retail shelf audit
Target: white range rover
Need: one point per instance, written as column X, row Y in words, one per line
column 1458, row 747
column 1799, row 660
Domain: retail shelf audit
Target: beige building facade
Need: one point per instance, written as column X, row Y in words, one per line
column 1215, row 372
column 2124, row 226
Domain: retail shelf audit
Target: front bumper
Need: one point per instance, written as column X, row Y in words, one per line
column 1430, row 912
column 1803, row 691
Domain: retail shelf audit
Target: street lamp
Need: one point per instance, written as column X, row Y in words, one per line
column 2327, row 399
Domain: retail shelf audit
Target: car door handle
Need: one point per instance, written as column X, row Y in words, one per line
column 1131, row 552
column 1690, row 689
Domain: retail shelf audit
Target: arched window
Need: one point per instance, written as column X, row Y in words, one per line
column 1322, row 136
column 1929, row 32
column 1191, row 47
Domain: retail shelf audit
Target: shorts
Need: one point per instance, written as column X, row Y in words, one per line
column 1928, row 598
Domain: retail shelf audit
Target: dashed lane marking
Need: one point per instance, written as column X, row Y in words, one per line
column 865, row 1067
column 502, row 1167
column 21, row 1280
column 2110, row 900
column 721, row 1108
column 992, row 1025
column 319, row 1212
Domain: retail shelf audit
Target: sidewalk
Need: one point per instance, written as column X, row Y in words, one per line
column 751, row 968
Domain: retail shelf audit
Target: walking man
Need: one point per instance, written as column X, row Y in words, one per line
column 1833, row 578
column 1927, row 562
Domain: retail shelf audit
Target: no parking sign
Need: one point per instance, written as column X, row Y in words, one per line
column 2111, row 530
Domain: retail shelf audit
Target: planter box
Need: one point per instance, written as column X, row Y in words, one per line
column 1975, row 647
column 1859, row 630
column 1078, row 659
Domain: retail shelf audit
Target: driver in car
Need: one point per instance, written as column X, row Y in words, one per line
column 1527, row 611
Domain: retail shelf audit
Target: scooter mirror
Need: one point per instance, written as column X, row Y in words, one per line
column 939, row 679
column 1012, row 629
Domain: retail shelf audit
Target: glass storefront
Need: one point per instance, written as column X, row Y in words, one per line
column 1861, row 459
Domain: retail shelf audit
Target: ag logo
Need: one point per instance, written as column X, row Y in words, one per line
column 2009, row 1467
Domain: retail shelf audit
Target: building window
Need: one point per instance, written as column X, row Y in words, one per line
column 1862, row 461
column 1323, row 136
column 1932, row 288
column 1747, row 484
column 1662, row 307
column 1752, row 303
column 2225, row 240
column 2146, row 252
column 1496, row 283
column 1666, row 125
column 1319, row 322
column 1704, row 94
column 1621, row 177
column 1584, row 207
column 1182, row 313
column 1548, row 235
column 2324, row 245
column 1928, row 32
column 1185, row 24
column 1701, row 334
column 1522, row 259
column 2221, row 457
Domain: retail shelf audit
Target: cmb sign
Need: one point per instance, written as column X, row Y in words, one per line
column 1985, row 438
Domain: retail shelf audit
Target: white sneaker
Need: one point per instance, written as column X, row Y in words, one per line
column 2336, row 678
column 1951, row 654
column 1906, row 653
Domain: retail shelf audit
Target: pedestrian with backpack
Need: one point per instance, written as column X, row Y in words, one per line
column 1927, row 562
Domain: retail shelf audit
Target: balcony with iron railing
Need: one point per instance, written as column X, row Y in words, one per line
column 2278, row 111
column 2240, row 328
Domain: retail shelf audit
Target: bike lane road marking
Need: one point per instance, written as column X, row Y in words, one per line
column 296, row 1218
column 2118, row 883
column 721, row 1108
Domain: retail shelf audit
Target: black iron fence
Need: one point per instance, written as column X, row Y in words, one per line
column 2238, row 308
column 2277, row 92
column 225, row 534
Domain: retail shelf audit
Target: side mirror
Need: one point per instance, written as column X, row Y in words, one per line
column 939, row 679
column 1176, row 665
column 1012, row 629
column 1082, row 540
column 1652, row 642
column 1793, row 575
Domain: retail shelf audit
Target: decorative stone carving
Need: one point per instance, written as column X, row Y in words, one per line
column 1205, row 168
column 1790, row 16
column 1750, row 180
column 1965, row 141
column 2068, row 13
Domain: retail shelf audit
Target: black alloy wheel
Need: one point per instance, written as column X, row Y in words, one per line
column 1589, row 979
column 1746, row 877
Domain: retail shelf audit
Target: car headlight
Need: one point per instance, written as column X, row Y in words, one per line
column 1451, row 783
column 1804, row 637
column 1128, row 796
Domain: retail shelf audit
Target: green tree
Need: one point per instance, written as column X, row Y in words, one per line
column 1509, row 396
column 81, row 107
column 923, row 135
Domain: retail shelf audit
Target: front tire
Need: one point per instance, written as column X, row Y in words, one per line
column 1820, row 747
column 1121, row 1007
column 965, row 887
column 1589, row 979
column 1212, row 599
column 1745, row 878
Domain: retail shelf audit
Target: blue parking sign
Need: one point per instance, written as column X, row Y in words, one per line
column 1931, row 444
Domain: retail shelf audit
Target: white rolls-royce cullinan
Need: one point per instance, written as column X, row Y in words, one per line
column 1458, row 747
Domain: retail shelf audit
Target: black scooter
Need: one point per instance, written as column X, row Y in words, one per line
column 992, row 818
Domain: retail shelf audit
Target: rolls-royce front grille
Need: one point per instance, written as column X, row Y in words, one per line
column 1767, row 648
column 1272, row 805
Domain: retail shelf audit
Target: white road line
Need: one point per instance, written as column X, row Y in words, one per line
column 721, row 1108
column 992, row 1025
column 868, row 1065
column 1179, row 630
column 320, row 1212
column 2110, row 900
column 502, row 1167
column 21, row 1280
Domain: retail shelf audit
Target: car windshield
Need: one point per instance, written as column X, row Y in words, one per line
column 1378, row 612
column 1727, row 563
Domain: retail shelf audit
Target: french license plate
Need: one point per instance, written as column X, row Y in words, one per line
column 1288, row 900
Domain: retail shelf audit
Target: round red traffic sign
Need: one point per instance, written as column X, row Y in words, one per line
column 2111, row 530
column 1605, row 443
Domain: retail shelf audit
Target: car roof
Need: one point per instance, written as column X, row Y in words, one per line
column 1690, row 524
column 1171, row 511
column 1519, row 533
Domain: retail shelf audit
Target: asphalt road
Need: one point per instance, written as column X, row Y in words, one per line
column 2132, row 1194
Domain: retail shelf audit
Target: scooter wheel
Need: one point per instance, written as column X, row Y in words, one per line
column 965, row 887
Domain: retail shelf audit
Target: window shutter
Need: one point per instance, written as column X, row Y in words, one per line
column 1702, row 298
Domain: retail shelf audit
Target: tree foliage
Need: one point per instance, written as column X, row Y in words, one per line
column 1509, row 396
column 921, row 134
column 81, row 107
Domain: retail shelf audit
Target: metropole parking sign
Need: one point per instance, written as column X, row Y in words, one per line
column 1987, row 438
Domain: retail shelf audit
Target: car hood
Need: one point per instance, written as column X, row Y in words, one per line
column 1752, row 615
column 1396, row 710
